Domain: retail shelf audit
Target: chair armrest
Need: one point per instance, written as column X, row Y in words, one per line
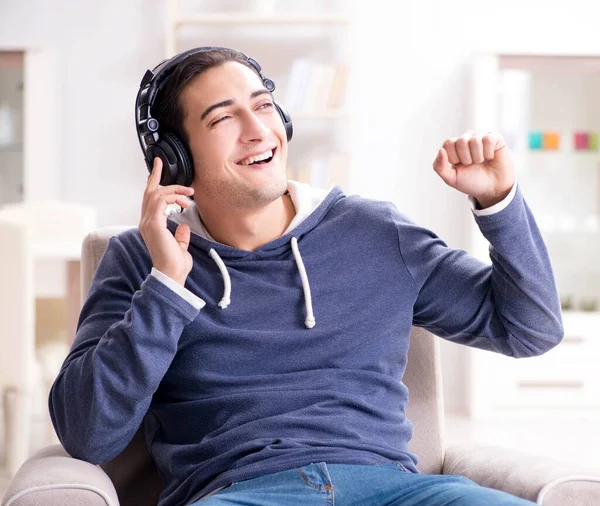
column 524, row 475
column 53, row 478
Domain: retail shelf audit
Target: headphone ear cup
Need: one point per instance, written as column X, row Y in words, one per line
column 163, row 151
column 287, row 121
column 185, row 168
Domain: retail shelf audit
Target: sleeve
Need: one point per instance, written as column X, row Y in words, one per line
column 127, row 337
column 180, row 290
column 510, row 307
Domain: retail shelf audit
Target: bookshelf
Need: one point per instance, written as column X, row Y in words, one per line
column 523, row 96
column 307, row 52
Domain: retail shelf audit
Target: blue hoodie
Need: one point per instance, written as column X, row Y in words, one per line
column 294, row 353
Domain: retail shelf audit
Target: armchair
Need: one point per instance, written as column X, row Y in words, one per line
column 52, row 477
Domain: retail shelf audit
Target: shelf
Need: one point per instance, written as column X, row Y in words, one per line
column 263, row 19
column 318, row 100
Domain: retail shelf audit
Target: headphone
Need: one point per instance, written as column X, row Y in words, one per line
column 177, row 162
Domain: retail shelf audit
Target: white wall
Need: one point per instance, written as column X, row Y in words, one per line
column 411, row 93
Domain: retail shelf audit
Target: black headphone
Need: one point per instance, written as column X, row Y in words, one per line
column 177, row 162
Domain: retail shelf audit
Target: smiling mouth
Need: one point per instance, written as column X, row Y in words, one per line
column 261, row 162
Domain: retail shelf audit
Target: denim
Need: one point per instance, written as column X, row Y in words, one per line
column 321, row 484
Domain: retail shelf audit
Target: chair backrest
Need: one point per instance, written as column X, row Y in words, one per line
column 134, row 474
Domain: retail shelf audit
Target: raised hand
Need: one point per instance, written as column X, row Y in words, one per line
column 169, row 252
column 477, row 164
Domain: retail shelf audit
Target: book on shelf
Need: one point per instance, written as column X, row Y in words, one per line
column 315, row 86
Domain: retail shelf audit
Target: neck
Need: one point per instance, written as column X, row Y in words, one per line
column 249, row 229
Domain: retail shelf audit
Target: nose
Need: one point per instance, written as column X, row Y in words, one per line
column 253, row 128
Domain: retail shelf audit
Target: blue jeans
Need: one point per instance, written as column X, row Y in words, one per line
column 322, row 484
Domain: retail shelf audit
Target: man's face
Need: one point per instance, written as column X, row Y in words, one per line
column 232, row 123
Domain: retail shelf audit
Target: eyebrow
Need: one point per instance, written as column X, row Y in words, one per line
column 226, row 103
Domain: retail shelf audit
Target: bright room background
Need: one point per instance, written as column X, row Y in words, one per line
column 414, row 73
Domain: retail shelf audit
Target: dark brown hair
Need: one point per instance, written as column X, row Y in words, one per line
column 168, row 108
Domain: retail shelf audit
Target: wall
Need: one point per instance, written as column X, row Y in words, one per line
column 411, row 93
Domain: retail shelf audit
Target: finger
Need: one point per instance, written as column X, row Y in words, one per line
column 152, row 183
column 169, row 191
column 476, row 149
column 175, row 188
column 442, row 167
column 158, row 204
column 491, row 144
column 182, row 236
column 154, row 179
column 450, row 148
column 462, row 149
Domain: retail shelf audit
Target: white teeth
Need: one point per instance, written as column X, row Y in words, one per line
column 257, row 158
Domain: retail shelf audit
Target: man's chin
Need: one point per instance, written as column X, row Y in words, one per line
column 268, row 192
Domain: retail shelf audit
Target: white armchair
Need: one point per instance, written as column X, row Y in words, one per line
column 52, row 477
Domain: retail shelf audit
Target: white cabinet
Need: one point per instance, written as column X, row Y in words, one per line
column 566, row 377
column 306, row 48
column 533, row 99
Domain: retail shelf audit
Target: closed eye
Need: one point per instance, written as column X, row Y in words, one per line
column 268, row 105
column 219, row 120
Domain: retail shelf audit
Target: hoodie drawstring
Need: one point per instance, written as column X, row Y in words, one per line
column 310, row 319
column 226, row 300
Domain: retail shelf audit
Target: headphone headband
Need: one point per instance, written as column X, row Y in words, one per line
column 177, row 166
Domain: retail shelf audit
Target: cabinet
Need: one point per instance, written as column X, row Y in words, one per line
column 548, row 109
column 307, row 50
column 29, row 112
column 11, row 126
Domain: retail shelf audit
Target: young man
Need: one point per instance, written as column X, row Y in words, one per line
column 261, row 335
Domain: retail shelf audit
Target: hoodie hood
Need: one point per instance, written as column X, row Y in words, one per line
column 306, row 199
column 311, row 204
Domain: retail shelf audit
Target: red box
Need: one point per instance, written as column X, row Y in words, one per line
column 581, row 140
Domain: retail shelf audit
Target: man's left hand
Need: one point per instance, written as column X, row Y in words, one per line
column 477, row 164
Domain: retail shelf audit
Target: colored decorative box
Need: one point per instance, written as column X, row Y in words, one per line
column 535, row 140
column 551, row 140
column 593, row 141
column 581, row 140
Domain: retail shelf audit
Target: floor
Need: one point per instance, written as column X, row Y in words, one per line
column 572, row 438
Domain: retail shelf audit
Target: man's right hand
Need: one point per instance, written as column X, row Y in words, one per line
column 169, row 253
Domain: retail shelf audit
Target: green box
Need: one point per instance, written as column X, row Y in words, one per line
column 535, row 140
column 593, row 141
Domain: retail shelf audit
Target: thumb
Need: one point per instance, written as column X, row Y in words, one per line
column 501, row 157
column 442, row 167
column 182, row 236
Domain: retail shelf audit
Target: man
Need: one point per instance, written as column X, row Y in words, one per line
column 261, row 335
